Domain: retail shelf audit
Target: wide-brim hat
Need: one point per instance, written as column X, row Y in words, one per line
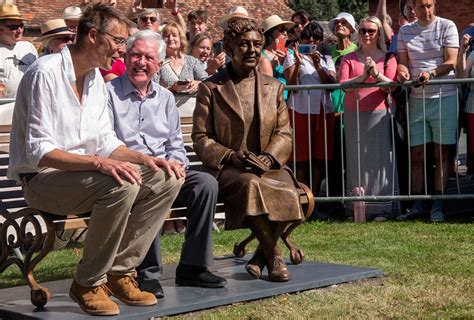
column 237, row 12
column 54, row 28
column 275, row 21
column 72, row 13
column 346, row 16
column 9, row 11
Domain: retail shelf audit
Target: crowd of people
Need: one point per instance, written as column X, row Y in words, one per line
column 95, row 127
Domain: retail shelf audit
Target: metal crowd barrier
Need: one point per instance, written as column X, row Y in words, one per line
column 393, row 196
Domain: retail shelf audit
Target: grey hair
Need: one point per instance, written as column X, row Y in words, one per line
column 148, row 35
column 148, row 11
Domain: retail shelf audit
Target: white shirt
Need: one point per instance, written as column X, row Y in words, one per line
column 14, row 61
column 425, row 49
column 49, row 116
column 298, row 100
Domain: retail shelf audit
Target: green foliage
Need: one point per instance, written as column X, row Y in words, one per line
column 324, row 10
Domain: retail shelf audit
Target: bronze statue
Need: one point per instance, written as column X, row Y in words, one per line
column 242, row 135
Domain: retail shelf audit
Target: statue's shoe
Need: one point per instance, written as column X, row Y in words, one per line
column 277, row 270
column 256, row 264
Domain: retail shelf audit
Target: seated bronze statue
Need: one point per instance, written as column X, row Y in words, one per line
column 242, row 135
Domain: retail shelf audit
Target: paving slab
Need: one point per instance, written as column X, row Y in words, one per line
column 15, row 302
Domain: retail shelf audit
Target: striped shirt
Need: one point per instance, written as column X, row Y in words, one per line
column 425, row 48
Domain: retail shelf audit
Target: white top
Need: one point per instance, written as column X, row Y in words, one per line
column 49, row 116
column 470, row 100
column 14, row 61
column 424, row 46
column 298, row 100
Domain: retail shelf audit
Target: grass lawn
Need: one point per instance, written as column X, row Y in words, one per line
column 429, row 272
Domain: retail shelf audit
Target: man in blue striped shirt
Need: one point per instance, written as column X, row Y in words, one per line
column 146, row 119
column 427, row 49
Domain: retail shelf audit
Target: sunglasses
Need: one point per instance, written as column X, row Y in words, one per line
column 145, row 19
column 282, row 29
column 66, row 39
column 14, row 27
column 370, row 32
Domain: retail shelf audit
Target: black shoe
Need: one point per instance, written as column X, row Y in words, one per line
column 152, row 286
column 319, row 215
column 194, row 276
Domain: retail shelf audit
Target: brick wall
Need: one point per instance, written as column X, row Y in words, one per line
column 460, row 11
column 37, row 11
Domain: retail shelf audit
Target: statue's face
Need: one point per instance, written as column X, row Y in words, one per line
column 246, row 51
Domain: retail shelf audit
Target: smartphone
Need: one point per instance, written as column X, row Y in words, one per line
column 152, row 3
column 307, row 48
column 183, row 82
column 281, row 46
column 218, row 47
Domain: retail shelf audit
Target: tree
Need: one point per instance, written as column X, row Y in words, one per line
column 358, row 8
column 323, row 10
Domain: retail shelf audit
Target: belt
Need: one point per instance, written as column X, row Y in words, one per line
column 28, row 176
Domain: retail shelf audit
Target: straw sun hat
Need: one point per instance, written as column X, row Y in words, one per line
column 9, row 11
column 54, row 28
column 275, row 21
column 72, row 13
column 234, row 13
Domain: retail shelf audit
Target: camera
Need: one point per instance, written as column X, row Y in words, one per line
column 307, row 48
column 471, row 42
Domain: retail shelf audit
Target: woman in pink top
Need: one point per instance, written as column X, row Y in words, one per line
column 371, row 117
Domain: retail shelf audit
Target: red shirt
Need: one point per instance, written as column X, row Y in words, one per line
column 118, row 68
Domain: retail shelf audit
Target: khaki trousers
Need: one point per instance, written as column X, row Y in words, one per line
column 124, row 219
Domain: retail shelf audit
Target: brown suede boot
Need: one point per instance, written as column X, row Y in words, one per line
column 93, row 300
column 256, row 264
column 125, row 288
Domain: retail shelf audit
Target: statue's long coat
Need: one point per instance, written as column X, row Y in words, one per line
column 218, row 128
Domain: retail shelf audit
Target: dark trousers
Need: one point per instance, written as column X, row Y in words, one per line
column 199, row 194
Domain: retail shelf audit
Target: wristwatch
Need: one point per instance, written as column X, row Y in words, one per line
column 432, row 74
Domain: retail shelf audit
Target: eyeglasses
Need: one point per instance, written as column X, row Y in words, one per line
column 14, row 27
column 370, row 32
column 119, row 41
column 282, row 29
column 66, row 39
column 145, row 19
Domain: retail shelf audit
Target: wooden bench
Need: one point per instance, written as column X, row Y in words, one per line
column 24, row 243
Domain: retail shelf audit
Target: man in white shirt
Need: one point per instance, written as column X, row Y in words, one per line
column 67, row 157
column 15, row 56
column 427, row 49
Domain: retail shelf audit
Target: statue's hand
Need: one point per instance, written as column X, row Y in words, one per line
column 237, row 159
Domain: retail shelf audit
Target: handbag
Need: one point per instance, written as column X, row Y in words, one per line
column 254, row 162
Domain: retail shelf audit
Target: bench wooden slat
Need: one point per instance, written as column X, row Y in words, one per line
column 186, row 120
column 186, row 130
column 4, row 138
column 15, row 204
column 5, row 128
column 7, row 184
